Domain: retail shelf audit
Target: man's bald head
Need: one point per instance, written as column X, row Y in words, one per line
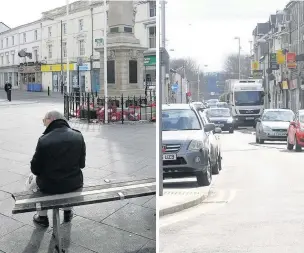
column 51, row 116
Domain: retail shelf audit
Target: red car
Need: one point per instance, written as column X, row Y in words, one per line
column 295, row 133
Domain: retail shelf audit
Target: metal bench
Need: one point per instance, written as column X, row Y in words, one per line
column 111, row 191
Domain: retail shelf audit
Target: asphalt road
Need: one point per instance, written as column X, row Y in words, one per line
column 255, row 205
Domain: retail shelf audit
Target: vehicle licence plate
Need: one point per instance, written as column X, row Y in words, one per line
column 219, row 125
column 279, row 134
column 169, row 157
column 249, row 118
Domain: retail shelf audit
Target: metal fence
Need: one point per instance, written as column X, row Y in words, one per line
column 90, row 107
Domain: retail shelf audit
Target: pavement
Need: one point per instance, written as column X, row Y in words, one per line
column 114, row 152
column 256, row 204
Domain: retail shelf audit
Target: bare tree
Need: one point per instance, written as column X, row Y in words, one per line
column 231, row 66
column 190, row 66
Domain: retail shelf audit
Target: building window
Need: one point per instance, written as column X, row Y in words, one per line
column 7, row 59
column 50, row 51
column 111, row 71
column 36, row 35
column 1, row 60
column 50, row 32
column 6, row 42
column 64, row 28
column 13, row 40
column 64, row 49
column 80, row 25
column 132, row 71
column 81, row 48
column 152, row 37
column 35, row 54
column 1, row 43
column 24, row 37
column 152, row 7
column 13, row 58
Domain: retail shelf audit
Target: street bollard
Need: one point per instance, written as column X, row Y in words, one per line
column 48, row 90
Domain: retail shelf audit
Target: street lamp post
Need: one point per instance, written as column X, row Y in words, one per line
column 67, row 55
column 105, row 61
column 239, row 39
column 61, row 56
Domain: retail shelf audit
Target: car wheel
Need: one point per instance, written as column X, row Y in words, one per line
column 204, row 178
column 261, row 141
column 231, row 131
column 298, row 147
column 220, row 161
column 256, row 139
column 289, row 146
column 215, row 167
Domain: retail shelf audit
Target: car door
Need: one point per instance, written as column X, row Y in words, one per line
column 213, row 149
column 292, row 129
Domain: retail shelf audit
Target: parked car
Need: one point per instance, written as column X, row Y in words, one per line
column 199, row 105
column 273, row 125
column 187, row 147
column 212, row 103
column 221, row 117
column 295, row 133
column 222, row 105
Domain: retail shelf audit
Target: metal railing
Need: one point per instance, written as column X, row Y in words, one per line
column 90, row 107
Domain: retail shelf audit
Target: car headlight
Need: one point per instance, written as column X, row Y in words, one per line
column 267, row 129
column 195, row 145
column 230, row 120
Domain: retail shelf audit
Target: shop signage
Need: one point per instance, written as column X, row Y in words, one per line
column 255, row 65
column 257, row 74
column 150, row 60
column 291, row 60
column 273, row 62
column 280, row 57
column 56, row 67
column 285, row 85
column 83, row 67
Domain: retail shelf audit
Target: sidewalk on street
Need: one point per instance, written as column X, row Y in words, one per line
column 181, row 194
column 114, row 152
column 4, row 102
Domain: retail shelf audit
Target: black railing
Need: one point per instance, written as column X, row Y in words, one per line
column 91, row 107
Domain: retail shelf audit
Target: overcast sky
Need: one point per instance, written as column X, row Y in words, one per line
column 205, row 29
column 18, row 12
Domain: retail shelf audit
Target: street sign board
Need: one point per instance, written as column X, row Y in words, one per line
column 174, row 87
column 99, row 42
column 273, row 62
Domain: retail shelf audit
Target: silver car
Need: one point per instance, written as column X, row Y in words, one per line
column 186, row 144
column 273, row 125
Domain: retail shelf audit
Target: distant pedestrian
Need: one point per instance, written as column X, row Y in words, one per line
column 8, row 90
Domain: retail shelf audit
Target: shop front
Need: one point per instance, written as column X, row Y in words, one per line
column 9, row 75
column 29, row 73
column 52, row 77
column 150, row 72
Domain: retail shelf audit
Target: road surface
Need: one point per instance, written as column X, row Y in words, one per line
column 255, row 205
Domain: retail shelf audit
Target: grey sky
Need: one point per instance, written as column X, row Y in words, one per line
column 18, row 12
column 205, row 29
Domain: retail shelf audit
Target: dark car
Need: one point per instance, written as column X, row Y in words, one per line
column 221, row 117
column 187, row 145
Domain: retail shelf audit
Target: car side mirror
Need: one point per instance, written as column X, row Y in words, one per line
column 217, row 130
column 292, row 123
column 209, row 127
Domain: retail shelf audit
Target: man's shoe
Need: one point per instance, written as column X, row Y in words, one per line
column 41, row 220
column 68, row 215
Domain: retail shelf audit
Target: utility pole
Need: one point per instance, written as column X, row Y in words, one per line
column 239, row 40
column 198, row 84
column 161, row 91
column 68, row 63
column 105, row 61
column 61, row 56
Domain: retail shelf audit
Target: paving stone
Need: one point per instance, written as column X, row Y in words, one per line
column 99, row 212
column 135, row 219
column 150, row 247
column 7, row 177
column 95, row 173
column 151, row 203
column 102, row 238
column 35, row 240
column 7, row 225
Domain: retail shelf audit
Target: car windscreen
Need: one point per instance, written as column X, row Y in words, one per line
column 218, row 112
column 180, row 119
column 286, row 116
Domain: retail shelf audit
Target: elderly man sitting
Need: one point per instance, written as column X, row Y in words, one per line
column 57, row 162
